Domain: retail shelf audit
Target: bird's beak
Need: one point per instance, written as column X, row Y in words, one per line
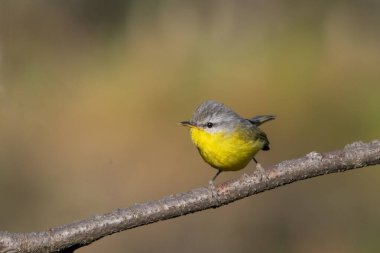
column 187, row 123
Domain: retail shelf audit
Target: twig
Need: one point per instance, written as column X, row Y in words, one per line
column 70, row 237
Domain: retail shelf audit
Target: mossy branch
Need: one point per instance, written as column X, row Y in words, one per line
column 70, row 237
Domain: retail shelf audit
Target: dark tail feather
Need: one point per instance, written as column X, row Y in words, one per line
column 258, row 120
column 266, row 146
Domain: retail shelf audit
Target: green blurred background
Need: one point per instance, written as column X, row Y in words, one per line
column 91, row 93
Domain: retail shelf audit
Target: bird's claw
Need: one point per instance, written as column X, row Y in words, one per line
column 260, row 171
column 214, row 192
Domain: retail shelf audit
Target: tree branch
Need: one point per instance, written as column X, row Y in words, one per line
column 70, row 237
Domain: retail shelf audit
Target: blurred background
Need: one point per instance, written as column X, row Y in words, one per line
column 91, row 93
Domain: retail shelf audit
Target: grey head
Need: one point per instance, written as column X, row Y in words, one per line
column 214, row 117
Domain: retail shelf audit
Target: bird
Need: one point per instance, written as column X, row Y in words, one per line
column 225, row 140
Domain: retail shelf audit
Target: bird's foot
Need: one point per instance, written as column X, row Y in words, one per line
column 214, row 192
column 246, row 176
column 259, row 167
column 260, row 172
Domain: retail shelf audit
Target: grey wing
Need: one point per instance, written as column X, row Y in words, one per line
column 255, row 132
column 257, row 121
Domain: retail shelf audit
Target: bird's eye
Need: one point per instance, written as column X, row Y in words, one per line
column 209, row 124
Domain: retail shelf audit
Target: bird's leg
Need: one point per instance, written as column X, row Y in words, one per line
column 212, row 186
column 216, row 175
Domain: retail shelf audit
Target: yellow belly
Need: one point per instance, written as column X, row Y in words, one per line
column 231, row 151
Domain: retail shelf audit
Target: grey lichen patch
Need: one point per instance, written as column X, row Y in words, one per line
column 8, row 243
column 246, row 178
column 285, row 165
column 315, row 156
column 355, row 145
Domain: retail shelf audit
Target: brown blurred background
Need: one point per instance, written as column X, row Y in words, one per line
column 91, row 93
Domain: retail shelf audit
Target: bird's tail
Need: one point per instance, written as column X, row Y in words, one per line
column 258, row 120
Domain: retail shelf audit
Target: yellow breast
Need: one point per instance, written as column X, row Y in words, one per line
column 226, row 151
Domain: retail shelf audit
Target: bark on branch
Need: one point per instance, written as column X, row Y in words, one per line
column 69, row 237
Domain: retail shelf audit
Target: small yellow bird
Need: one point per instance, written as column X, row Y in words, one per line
column 225, row 140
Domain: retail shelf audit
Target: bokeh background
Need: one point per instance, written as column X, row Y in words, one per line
column 91, row 93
